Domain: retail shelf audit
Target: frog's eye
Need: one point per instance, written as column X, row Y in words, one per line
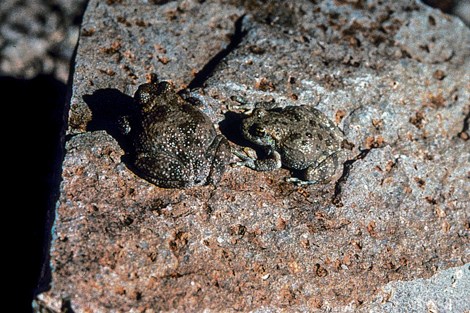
column 144, row 96
column 257, row 130
column 164, row 86
column 259, row 113
column 260, row 131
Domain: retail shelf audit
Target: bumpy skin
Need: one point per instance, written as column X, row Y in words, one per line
column 298, row 137
column 176, row 145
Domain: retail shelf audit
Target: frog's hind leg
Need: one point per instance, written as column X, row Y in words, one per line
column 163, row 170
column 219, row 151
column 321, row 173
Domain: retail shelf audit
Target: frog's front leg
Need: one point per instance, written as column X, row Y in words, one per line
column 193, row 97
column 272, row 162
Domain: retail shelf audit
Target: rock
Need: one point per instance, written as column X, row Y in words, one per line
column 462, row 10
column 38, row 37
column 255, row 242
column 444, row 292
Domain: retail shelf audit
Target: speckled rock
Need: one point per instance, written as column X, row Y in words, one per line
column 444, row 292
column 391, row 75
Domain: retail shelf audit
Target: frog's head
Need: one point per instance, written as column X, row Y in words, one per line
column 147, row 93
column 256, row 130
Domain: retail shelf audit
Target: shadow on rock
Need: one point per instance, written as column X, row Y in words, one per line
column 112, row 111
column 230, row 127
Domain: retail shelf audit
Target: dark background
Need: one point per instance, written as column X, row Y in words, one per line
column 37, row 120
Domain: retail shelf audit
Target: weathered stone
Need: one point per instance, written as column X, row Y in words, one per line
column 121, row 44
column 256, row 242
column 444, row 292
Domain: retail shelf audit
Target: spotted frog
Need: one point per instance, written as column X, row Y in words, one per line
column 176, row 145
column 300, row 138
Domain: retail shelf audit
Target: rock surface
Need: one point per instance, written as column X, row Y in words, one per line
column 444, row 292
column 391, row 75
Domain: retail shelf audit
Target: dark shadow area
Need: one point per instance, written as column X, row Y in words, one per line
column 347, row 166
column 452, row 7
column 465, row 126
column 445, row 6
column 34, row 158
column 230, row 127
column 111, row 110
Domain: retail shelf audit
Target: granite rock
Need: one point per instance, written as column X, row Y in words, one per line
column 391, row 75
column 444, row 292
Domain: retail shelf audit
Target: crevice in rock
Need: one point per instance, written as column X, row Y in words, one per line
column 464, row 131
column 347, row 166
column 66, row 306
column 201, row 77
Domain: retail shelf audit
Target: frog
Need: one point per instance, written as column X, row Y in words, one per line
column 298, row 137
column 175, row 144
